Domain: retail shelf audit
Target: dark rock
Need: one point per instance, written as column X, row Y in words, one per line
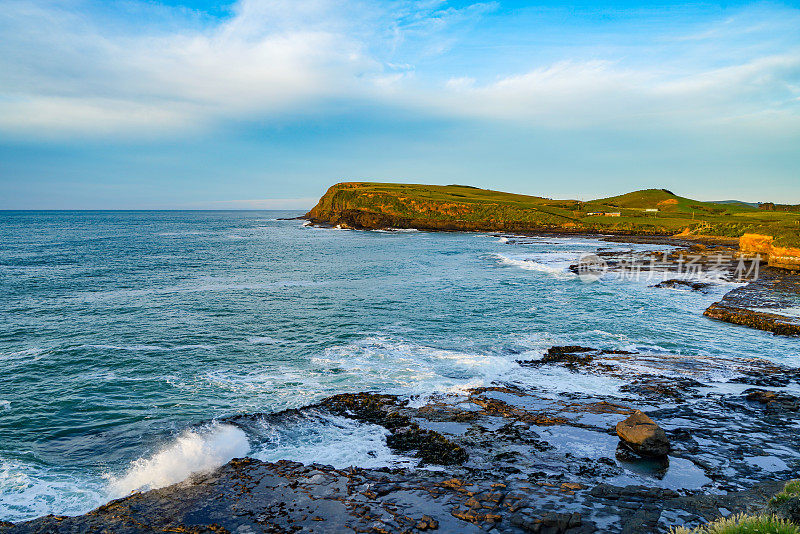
column 682, row 284
column 771, row 322
column 657, row 387
column 774, row 401
column 568, row 349
column 568, row 355
column 406, row 435
column 431, row 447
column 368, row 407
column 643, row 435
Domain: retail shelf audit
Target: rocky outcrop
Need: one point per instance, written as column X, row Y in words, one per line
column 771, row 322
column 774, row 401
column 764, row 245
column 682, row 284
column 751, row 305
column 642, row 435
column 405, row 435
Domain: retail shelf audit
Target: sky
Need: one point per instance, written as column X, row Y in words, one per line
column 194, row 104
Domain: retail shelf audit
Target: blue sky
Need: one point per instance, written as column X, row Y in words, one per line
column 265, row 103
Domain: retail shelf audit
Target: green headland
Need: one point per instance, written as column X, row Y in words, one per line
column 459, row 207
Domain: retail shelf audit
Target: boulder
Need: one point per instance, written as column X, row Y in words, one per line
column 643, row 436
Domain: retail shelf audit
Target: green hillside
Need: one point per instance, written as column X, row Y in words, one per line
column 460, row 207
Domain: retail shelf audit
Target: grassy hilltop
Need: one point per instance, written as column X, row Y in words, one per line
column 460, row 207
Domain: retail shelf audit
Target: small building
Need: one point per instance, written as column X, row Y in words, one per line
column 612, row 214
column 651, row 210
column 595, row 213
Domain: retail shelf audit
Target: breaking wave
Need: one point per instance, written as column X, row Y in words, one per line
column 193, row 451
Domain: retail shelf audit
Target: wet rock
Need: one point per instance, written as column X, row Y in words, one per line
column 755, row 379
column 368, row 407
column 682, row 284
column 642, row 435
column 655, row 387
column 771, row 322
column 385, row 410
column 571, row 355
column 427, row 523
column 551, row 523
column 431, row 447
column 773, row 289
column 774, row 401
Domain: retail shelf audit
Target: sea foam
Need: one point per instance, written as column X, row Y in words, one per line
column 193, row 451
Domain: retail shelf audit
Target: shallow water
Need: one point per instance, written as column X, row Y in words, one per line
column 123, row 335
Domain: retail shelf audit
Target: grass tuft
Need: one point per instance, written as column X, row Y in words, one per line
column 786, row 504
column 743, row 524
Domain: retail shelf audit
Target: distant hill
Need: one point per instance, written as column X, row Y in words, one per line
column 736, row 203
column 467, row 208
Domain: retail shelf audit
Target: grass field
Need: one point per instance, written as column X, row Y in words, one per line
column 459, row 206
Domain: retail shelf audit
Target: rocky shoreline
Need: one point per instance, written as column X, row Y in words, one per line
column 757, row 304
column 509, row 458
column 672, row 441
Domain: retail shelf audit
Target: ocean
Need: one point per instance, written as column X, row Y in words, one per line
column 127, row 338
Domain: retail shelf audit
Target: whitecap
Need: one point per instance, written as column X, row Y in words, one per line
column 263, row 340
column 556, row 265
column 411, row 369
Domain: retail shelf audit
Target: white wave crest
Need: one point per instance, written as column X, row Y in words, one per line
column 412, row 369
column 325, row 439
column 264, row 340
column 194, row 451
column 556, row 266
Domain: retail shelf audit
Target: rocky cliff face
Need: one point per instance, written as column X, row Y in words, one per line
column 352, row 205
column 455, row 208
column 776, row 256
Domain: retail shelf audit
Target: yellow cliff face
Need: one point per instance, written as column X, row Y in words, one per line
column 785, row 258
column 782, row 257
column 752, row 244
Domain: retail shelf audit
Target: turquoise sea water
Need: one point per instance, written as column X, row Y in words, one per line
column 125, row 335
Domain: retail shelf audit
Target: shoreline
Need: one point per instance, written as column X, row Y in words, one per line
column 502, row 457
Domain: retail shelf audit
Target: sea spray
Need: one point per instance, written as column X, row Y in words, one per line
column 193, row 451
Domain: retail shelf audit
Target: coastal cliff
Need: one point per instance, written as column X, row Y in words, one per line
column 777, row 256
column 368, row 205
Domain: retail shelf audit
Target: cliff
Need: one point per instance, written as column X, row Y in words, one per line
column 369, row 205
column 764, row 245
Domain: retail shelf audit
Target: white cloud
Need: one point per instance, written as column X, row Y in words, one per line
column 62, row 72
column 574, row 94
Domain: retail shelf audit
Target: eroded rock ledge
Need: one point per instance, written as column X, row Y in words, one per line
column 759, row 303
